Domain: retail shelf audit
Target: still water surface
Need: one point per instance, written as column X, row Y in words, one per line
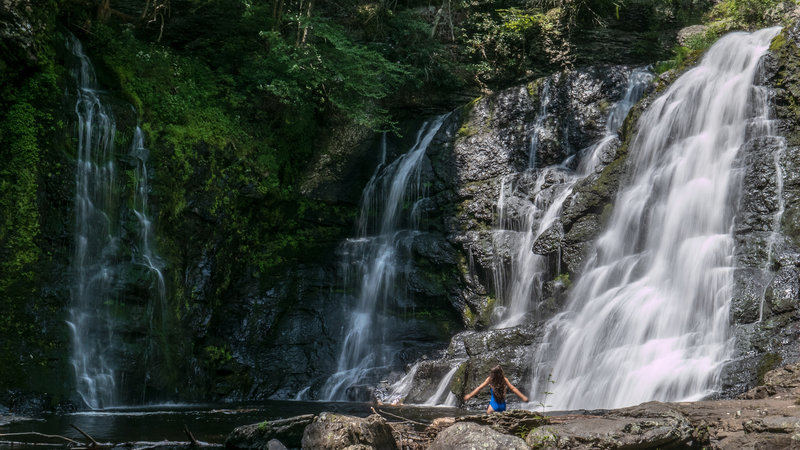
column 208, row 423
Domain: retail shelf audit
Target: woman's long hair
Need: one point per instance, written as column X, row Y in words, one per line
column 497, row 380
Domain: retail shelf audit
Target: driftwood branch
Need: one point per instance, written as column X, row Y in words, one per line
column 398, row 417
column 86, row 435
column 190, row 436
column 33, row 433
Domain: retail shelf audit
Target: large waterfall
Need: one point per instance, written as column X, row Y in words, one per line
column 97, row 263
column 373, row 263
column 648, row 318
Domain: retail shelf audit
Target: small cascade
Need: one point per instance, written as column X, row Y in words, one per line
column 444, row 386
column 374, row 263
column 776, row 220
column 521, row 293
column 144, row 253
column 648, row 319
column 400, row 389
column 96, row 241
column 541, row 119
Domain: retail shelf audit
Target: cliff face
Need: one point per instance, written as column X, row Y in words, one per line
column 765, row 304
column 492, row 172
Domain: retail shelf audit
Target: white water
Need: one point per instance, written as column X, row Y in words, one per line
column 444, row 386
column 521, row 293
column 373, row 263
column 648, row 319
column 95, row 241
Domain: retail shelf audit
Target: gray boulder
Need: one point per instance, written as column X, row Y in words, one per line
column 267, row 435
column 468, row 435
column 336, row 432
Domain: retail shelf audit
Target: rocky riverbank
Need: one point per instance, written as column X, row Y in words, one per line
column 767, row 417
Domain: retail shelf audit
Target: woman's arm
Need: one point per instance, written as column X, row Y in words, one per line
column 516, row 391
column 477, row 389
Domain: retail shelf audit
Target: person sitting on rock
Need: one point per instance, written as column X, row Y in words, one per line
column 497, row 383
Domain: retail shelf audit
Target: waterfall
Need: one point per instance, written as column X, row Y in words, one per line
column 373, row 263
column 648, row 318
column 144, row 253
column 521, row 292
column 97, row 268
column 96, row 242
column 442, row 387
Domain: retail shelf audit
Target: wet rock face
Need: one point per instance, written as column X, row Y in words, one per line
column 486, row 147
column 765, row 309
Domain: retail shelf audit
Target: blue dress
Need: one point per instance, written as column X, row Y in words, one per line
column 499, row 407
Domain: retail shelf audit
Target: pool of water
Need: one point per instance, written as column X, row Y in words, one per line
column 208, row 423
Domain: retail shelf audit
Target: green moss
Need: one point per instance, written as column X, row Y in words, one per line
column 467, row 130
column 459, row 381
column 469, row 316
column 768, row 361
column 563, row 279
column 778, row 42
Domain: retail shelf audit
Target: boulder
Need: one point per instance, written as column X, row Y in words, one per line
column 782, row 381
column 260, row 436
column 465, row 435
column 685, row 35
column 650, row 425
column 335, row 432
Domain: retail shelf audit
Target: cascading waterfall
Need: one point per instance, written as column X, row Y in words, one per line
column 144, row 253
column 648, row 319
column 96, row 264
column 522, row 291
column 373, row 263
column 96, row 244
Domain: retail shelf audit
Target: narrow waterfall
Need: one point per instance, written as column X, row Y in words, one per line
column 521, row 292
column 648, row 319
column 373, row 263
column 144, row 253
column 96, row 240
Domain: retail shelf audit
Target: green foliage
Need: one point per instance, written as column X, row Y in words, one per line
column 30, row 343
column 730, row 15
column 328, row 68
column 545, row 393
column 217, row 356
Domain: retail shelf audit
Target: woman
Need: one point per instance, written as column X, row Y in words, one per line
column 497, row 382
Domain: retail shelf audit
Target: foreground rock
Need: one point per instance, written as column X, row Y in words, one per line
column 288, row 432
column 334, row 431
column 765, row 418
column 471, row 435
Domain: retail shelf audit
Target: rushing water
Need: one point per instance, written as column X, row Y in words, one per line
column 648, row 319
column 521, row 290
column 96, row 241
column 373, row 263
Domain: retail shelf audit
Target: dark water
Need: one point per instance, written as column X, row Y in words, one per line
column 208, row 423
